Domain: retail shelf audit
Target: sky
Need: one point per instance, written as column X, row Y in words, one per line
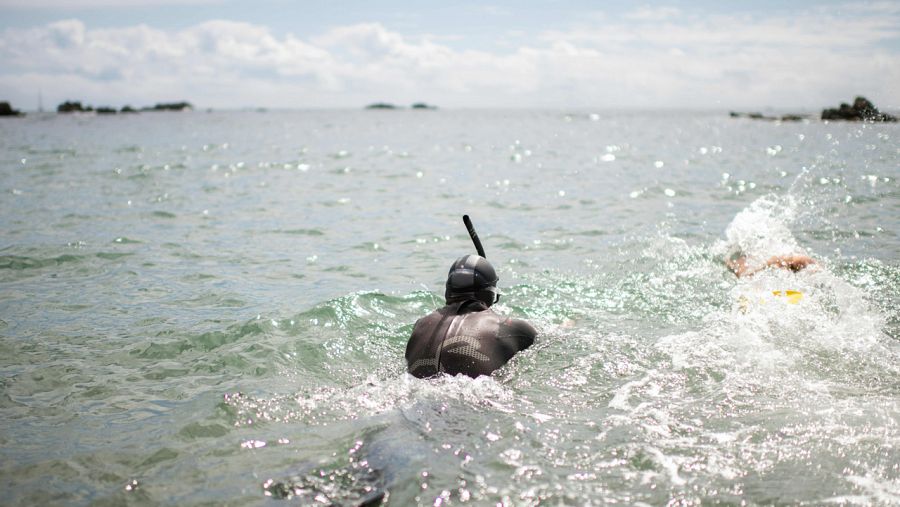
column 715, row 55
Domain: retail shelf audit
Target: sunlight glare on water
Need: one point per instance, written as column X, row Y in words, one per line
column 213, row 308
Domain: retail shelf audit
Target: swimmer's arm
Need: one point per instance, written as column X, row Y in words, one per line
column 517, row 334
column 795, row 262
column 739, row 267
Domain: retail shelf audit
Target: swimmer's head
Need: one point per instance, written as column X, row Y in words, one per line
column 472, row 277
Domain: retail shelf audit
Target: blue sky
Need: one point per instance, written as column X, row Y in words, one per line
column 278, row 53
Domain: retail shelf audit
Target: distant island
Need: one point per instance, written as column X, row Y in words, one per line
column 77, row 107
column 7, row 110
column 170, row 106
column 387, row 105
column 760, row 116
column 861, row 110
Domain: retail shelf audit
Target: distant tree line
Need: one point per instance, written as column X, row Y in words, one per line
column 77, row 107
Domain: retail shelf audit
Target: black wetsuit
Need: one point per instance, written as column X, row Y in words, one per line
column 466, row 338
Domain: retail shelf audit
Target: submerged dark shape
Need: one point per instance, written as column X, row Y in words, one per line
column 363, row 481
column 7, row 110
column 861, row 110
column 381, row 105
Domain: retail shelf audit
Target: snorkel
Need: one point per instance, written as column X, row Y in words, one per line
column 474, row 236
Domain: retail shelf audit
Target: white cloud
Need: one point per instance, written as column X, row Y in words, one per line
column 653, row 14
column 90, row 4
column 659, row 58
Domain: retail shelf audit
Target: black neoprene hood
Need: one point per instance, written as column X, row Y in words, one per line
column 471, row 277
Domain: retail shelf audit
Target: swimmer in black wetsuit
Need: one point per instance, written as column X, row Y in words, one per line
column 466, row 336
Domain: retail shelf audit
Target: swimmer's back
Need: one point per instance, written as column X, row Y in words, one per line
column 466, row 338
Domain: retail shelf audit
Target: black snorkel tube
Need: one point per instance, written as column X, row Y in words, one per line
column 480, row 268
column 474, row 236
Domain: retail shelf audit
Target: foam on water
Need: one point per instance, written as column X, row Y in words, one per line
column 766, row 383
column 762, row 231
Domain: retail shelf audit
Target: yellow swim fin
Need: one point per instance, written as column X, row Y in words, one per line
column 792, row 296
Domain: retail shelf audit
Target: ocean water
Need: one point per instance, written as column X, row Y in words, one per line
column 212, row 309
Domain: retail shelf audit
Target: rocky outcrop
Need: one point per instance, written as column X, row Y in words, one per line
column 381, row 105
column 422, row 105
column 7, row 110
column 861, row 110
column 106, row 110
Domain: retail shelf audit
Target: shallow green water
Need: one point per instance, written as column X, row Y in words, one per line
column 212, row 308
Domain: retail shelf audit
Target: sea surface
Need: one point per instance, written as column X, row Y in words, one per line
column 212, row 308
